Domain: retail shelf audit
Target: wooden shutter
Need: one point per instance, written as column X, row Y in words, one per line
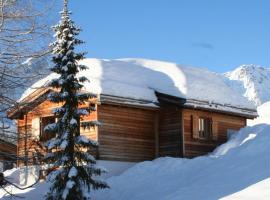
column 36, row 127
column 195, row 126
column 214, row 130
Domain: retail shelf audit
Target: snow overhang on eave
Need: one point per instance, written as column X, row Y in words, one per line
column 221, row 108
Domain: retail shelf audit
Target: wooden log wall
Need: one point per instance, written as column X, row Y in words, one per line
column 170, row 132
column 221, row 123
column 126, row 133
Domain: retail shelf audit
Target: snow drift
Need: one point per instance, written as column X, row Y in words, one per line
column 236, row 165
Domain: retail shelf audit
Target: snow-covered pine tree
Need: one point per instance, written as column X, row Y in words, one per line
column 71, row 164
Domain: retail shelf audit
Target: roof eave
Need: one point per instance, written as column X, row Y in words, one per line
column 220, row 108
column 28, row 103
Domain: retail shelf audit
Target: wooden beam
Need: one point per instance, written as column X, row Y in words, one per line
column 97, row 133
column 183, row 133
column 157, row 134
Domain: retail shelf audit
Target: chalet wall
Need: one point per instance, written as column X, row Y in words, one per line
column 170, row 132
column 136, row 134
column 27, row 147
column 126, row 134
column 221, row 123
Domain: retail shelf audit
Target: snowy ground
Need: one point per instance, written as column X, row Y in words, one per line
column 238, row 169
column 227, row 173
column 18, row 177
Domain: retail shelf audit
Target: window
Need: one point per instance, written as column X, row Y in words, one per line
column 44, row 121
column 205, row 128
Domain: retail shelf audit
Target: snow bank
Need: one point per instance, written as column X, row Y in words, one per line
column 23, row 177
column 238, row 169
column 114, row 168
column 233, row 167
column 140, row 78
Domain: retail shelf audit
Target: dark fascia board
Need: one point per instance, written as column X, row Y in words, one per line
column 220, row 108
column 116, row 100
column 169, row 100
column 246, row 114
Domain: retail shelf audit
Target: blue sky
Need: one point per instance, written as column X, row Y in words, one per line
column 215, row 34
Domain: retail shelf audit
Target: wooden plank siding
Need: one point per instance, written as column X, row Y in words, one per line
column 221, row 123
column 170, row 132
column 130, row 133
column 126, row 133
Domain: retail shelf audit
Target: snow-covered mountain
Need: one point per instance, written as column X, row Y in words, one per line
column 252, row 81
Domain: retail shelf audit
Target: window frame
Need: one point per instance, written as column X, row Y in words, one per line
column 207, row 128
column 42, row 126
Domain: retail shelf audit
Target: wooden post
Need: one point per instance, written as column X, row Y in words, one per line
column 25, row 142
column 25, row 149
column 183, row 133
column 97, row 133
column 157, row 134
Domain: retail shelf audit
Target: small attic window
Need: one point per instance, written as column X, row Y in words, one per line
column 205, row 128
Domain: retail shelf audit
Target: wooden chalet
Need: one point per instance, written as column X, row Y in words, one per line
column 134, row 129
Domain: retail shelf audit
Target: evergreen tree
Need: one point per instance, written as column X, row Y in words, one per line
column 71, row 164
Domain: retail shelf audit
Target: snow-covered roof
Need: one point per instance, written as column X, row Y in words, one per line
column 140, row 78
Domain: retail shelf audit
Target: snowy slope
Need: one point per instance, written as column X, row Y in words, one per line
column 251, row 81
column 140, row 78
column 218, row 176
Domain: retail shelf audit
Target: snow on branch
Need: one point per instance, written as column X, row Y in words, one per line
column 81, row 139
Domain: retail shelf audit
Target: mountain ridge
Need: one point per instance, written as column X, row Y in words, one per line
column 252, row 81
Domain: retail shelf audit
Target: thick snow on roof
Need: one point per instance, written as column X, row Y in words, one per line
column 140, row 78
